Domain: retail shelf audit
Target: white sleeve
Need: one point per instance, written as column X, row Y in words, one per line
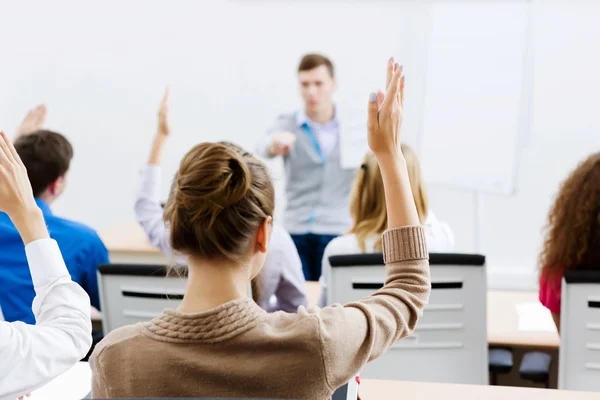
column 325, row 271
column 148, row 210
column 32, row 355
column 291, row 289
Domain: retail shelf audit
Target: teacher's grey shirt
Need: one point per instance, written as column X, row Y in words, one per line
column 317, row 187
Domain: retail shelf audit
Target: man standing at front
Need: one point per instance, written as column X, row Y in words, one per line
column 317, row 187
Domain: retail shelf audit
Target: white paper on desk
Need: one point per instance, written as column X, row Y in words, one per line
column 353, row 137
column 534, row 317
column 74, row 384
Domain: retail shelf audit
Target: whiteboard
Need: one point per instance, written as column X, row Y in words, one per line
column 231, row 67
column 476, row 102
column 407, row 46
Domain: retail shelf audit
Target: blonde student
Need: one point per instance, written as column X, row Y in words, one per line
column 572, row 237
column 32, row 355
column 368, row 211
column 219, row 343
column 279, row 287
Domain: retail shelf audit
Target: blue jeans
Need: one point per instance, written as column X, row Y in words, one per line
column 310, row 248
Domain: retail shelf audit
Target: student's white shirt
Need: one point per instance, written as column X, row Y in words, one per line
column 438, row 236
column 33, row 355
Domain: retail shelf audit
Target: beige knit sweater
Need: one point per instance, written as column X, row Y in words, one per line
column 238, row 350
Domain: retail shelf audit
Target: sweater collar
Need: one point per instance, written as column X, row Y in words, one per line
column 216, row 325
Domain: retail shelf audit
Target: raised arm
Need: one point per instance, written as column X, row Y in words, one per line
column 162, row 131
column 32, row 355
column 361, row 331
column 148, row 210
column 33, row 121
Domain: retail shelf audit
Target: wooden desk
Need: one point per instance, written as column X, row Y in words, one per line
column 502, row 319
column 502, row 322
column 76, row 383
column 371, row 389
column 127, row 244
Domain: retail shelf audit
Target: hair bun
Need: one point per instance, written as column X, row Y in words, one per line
column 216, row 178
column 221, row 195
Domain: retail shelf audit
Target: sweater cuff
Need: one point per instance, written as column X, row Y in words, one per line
column 403, row 244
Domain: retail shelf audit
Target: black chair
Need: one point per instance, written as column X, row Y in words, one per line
column 500, row 362
column 535, row 367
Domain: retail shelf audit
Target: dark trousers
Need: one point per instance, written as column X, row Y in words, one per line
column 310, row 248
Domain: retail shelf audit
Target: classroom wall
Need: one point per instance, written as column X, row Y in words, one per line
column 101, row 70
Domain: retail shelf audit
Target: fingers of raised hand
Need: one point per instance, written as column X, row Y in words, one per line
column 373, row 111
column 40, row 112
column 165, row 99
column 35, row 118
column 394, row 88
column 380, row 98
column 31, row 115
column 16, row 159
column 164, row 104
column 401, row 93
column 398, row 94
column 7, row 157
column 390, row 72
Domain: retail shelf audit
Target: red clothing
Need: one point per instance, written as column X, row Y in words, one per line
column 550, row 292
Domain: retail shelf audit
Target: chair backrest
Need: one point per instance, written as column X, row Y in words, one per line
column 347, row 392
column 131, row 293
column 579, row 358
column 450, row 341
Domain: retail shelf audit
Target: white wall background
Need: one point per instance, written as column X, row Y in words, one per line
column 101, row 69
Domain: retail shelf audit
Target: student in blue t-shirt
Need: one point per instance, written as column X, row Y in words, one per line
column 47, row 156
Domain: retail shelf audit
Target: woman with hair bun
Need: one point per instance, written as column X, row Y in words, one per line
column 218, row 342
column 280, row 286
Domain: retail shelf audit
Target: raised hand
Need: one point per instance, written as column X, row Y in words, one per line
column 386, row 113
column 163, row 114
column 162, row 132
column 33, row 121
column 16, row 196
column 385, row 117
